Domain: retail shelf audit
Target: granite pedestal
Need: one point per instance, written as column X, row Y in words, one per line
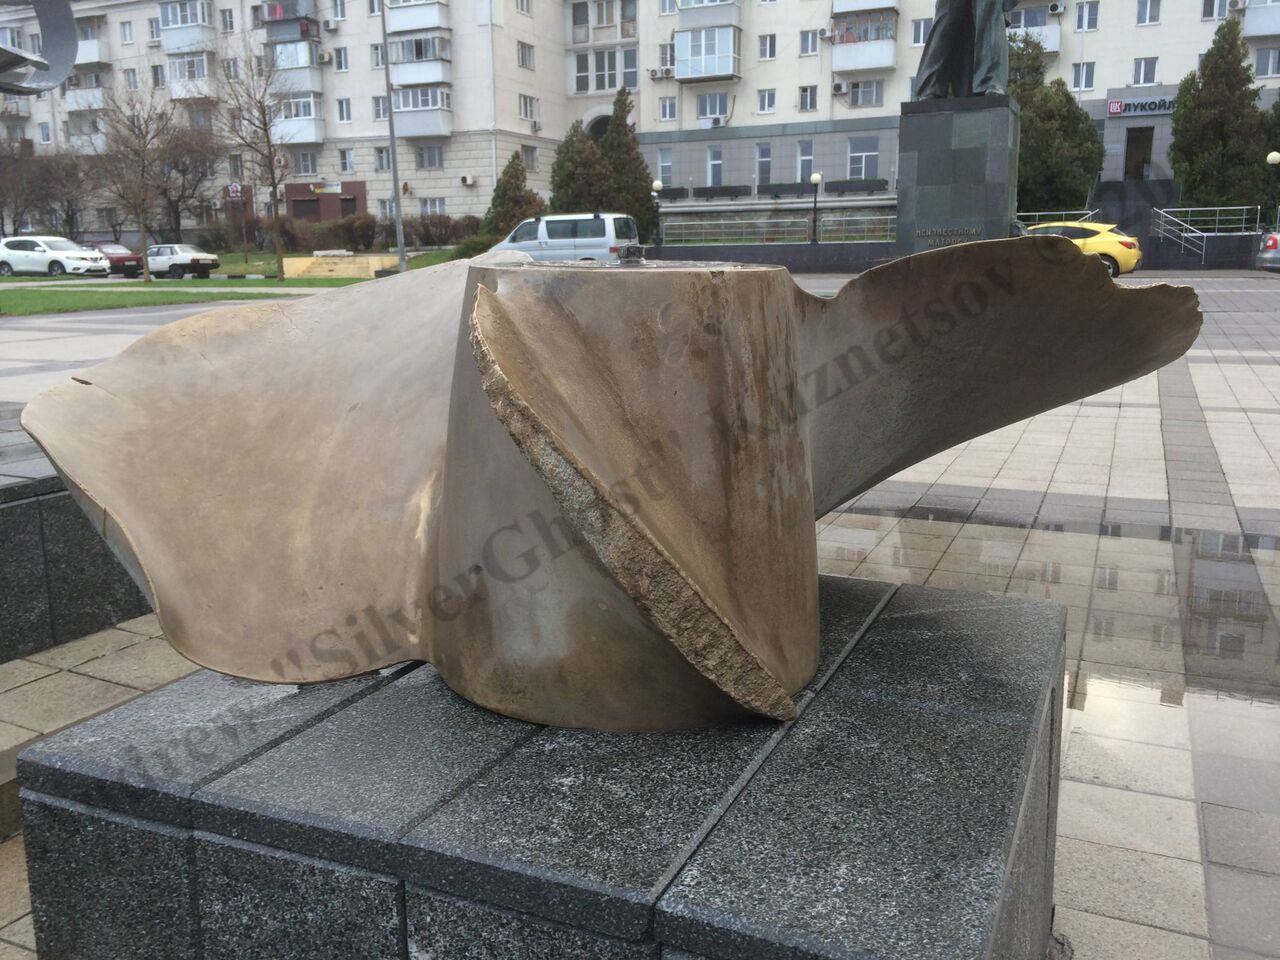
column 957, row 171
column 907, row 813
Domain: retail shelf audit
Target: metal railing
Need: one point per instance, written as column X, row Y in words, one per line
column 1217, row 219
column 1167, row 226
column 736, row 231
column 1056, row 216
column 858, row 229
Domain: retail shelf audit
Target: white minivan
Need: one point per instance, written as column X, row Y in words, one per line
column 573, row 236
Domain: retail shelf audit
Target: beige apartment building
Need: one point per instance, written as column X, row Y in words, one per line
column 735, row 101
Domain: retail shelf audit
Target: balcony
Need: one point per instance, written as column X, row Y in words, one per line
column 863, row 55
column 1262, row 20
column 196, row 36
column 88, row 143
column 278, row 10
column 17, row 107
column 300, row 130
column 424, row 123
column 298, row 79
column 91, row 53
column 197, row 89
column 84, row 98
column 417, row 16
column 695, row 15
column 1050, row 35
column 417, row 72
column 862, row 6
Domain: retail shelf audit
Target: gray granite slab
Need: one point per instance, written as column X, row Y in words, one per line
column 24, row 595
column 107, row 887
column 263, row 903
column 148, row 756
column 88, row 588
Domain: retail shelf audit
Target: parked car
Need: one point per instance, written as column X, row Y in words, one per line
column 573, row 236
column 121, row 259
column 1119, row 251
column 52, row 255
column 176, row 260
column 1268, row 252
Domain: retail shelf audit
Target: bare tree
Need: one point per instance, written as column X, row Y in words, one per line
column 188, row 163
column 63, row 192
column 19, row 175
column 251, row 95
column 138, row 126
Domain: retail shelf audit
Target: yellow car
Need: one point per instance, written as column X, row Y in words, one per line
column 1119, row 251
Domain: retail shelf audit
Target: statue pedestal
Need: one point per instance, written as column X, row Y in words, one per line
column 908, row 812
column 957, row 171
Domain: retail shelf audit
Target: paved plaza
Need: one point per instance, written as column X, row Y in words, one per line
column 1151, row 511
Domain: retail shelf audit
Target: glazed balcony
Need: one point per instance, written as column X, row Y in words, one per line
column 18, row 107
column 1049, row 35
column 403, row 17
column 196, row 36
column 91, row 53
column 300, row 130
column 696, row 15
column 1262, row 20
column 84, row 98
column 88, row 143
column 414, row 73
column 864, row 40
column 424, row 123
column 298, row 79
column 864, row 55
column 197, row 89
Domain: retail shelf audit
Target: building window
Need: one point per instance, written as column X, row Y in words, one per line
column 298, row 106
column 431, row 206
column 666, row 54
column 863, row 165
column 604, row 13
column 380, row 108
column 666, row 108
column 346, row 160
column 375, row 8
column 606, row 69
column 130, row 78
column 715, row 167
column 581, row 14
column 106, row 217
column 186, row 13
column 808, row 98
column 1269, row 62
column 12, row 37
column 766, row 100
column 712, row 105
column 1148, row 12
column 235, row 166
column 382, row 158
column 582, row 77
column 157, row 75
column 529, row 157
column 1082, row 75
column 523, row 6
column 37, row 45
column 339, row 10
column 126, row 31
column 768, row 46
column 1027, row 17
column 528, row 107
column 666, row 7
column 524, row 54
column 1087, row 15
column 764, row 164
column 920, row 31
column 628, row 18
column 153, row 28
column 664, row 166
column 1144, row 71
column 384, row 208
column 344, row 109
column 866, row 93
column 340, row 62
column 227, row 18
column 1213, row 9
column 710, row 52
column 231, row 68
column 430, row 156
column 808, row 43
column 377, row 55
column 304, row 163
column 630, row 72
column 421, row 98
column 804, row 160
column 46, row 133
column 419, row 49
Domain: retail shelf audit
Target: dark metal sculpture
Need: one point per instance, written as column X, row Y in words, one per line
column 967, row 52
column 26, row 73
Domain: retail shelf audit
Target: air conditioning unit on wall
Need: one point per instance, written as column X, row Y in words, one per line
column 468, row 180
column 331, row 26
column 654, row 73
column 839, row 89
column 1235, row 6
column 325, row 57
column 668, row 72
column 1057, row 9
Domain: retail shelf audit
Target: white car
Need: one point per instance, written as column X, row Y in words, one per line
column 573, row 236
column 52, row 255
column 178, row 259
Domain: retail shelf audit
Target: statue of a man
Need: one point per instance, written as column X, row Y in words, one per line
column 967, row 53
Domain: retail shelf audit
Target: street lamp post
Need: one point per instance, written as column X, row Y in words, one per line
column 1273, row 160
column 656, row 192
column 391, row 138
column 816, row 180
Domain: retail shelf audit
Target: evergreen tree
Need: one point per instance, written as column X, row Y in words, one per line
column 629, row 175
column 580, row 181
column 1059, row 151
column 512, row 200
column 1218, row 152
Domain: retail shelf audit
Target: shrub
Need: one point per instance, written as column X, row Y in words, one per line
column 474, row 245
column 467, row 226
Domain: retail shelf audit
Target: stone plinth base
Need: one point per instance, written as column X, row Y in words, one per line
column 908, row 813
column 957, row 172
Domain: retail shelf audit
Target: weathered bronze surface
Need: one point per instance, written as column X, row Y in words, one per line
column 584, row 493
column 967, row 51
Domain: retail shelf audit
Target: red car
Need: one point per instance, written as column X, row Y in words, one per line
column 123, row 260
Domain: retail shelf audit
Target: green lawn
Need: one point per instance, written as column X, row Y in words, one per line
column 24, row 278
column 192, row 285
column 22, row 302
column 429, row 259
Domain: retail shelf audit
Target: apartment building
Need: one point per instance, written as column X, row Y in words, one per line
column 735, row 99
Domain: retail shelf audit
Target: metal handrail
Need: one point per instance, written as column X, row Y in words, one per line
column 735, row 231
column 1168, row 226
column 1218, row 219
column 1055, row 216
column 858, row 229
